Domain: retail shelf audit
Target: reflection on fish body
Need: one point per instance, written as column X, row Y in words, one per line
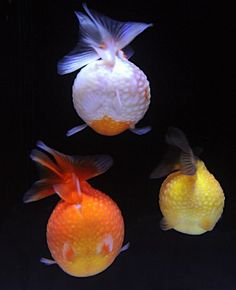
column 85, row 231
column 191, row 199
column 110, row 93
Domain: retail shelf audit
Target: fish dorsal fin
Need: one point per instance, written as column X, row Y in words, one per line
column 178, row 157
column 100, row 37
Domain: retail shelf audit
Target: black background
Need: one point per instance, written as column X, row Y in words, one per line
column 187, row 57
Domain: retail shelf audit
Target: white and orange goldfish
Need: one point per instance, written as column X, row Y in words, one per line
column 191, row 199
column 85, row 231
column 110, row 93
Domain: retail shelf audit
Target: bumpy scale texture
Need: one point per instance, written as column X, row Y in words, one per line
column 192, row 204
column 85, row 239
column 111, row 99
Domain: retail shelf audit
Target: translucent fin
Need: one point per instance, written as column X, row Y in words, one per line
column 44, row 160
column 187, row 163
column 178, row 157
column 39, row 190
column 121, row 32
column 85, row 167
column 90, row 166
column 64, row 173
column 141, row 131
column 128, row 31
column 128, row 52
column 169, row 163
column 47, row 262
column 64, row 162
column 100, row 37
column 125, row 247
column 76, row 130
column 75, row 60
column 164, row 225
column 177, row 138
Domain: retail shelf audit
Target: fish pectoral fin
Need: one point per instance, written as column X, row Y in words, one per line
column 141, row 131
column 165, row 225
column 125, row 247
column 206, row 224
column 47, row 262
column 76, row 129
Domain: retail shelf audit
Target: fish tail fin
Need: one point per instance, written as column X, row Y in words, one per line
column 40, row 189
column 50, row 174
column 179, row 156
column 85, row 167
column 100, row 37
column 63, row 174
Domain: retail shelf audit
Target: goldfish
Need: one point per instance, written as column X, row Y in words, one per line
column 191, row 199
column 85, row 231
column 110, row 93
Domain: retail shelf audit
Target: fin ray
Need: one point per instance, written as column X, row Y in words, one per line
column 97, row 30
column 141, row 131
column 164, row 225
column 75, row 60
column 75, row 130
column 47, row 262
column 178, row 157
column 40, row 189
column 90, row 166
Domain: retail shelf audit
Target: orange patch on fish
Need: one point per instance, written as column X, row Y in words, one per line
column 109, row 127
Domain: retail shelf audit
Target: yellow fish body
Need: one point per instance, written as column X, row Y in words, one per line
column 191, row 199
column 110, row 93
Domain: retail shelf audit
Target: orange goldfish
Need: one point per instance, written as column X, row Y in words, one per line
column 110, row 93
column 85, row 231
column 191, row 199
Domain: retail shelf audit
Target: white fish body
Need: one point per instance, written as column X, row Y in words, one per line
column 110, row 93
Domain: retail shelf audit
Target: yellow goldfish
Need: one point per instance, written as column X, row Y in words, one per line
column 110, row 93
column 85, row 231
column 191, row 199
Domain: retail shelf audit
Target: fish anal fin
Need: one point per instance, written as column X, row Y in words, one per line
column 165, row 225
column 206, row 224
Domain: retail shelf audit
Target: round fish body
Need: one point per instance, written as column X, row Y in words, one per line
column 191, row 204
column 85, row 239
column 111, row 99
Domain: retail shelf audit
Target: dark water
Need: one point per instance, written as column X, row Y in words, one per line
column 187, row 57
